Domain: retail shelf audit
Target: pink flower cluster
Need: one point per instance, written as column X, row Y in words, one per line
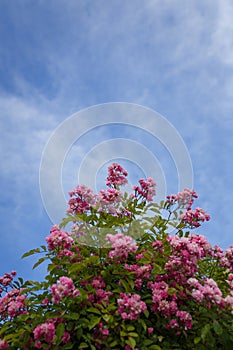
column 185, row 254
column 167, row 305
column 158, row 246
column 99, row 296
column 122, row 244
column 184, row 317
column 116, row 175
column 108, row 200
column 130, row 306
column 100, row 334
column 110, row 196
column 163, row 303
column 64, row 287
column 59, row 240
column 3, row 344
column 184, row 199
column 227, row 258
column 83, row 199
column 6, row 280
column 229, row 298
column 98, row 282
column 12, row 304
column 146, row 189
column 46, row 333
column 103, row 329
column 141, row 272
column 193, row 217
column 209, row 291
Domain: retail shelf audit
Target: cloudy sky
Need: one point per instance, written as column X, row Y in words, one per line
column 60, row 57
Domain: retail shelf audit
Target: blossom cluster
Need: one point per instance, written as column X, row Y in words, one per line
column 3, row 344
column 83, row 199
column 162, row 302
column 109, row 200
column 12, row 304
column 184, row 199
column 209, row 292
column 193, row 217
column 146, row 189
column 46, row 332
column 227, row 258
column 116, row 175
column 180, row 269
column 185, row 253
column 63, row 288
column 122, row 244
column 59, row 240
column 99, row 295
column 185, row 319
column 130, row 306
column 6, row 280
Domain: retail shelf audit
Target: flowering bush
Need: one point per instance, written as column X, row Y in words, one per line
column 119, row 280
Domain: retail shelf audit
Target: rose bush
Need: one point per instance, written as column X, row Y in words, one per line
column 120, row 278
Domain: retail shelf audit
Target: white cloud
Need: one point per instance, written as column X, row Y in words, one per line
column 222, row 37
column 25, row 129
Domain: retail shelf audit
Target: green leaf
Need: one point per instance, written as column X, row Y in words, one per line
column 30, row 252
column 147, row 342
column 60, row 331
column 94, row 310
column 157, row 211
column 107, row 318
column 123, row 334
column 83, row 345
column 197, row 340
column 114, row 343
column 171, row 291
column 67, row 346
column 131, row 342
column 160, row 338
column 133, row 334
column 21, row 280
column 217, row 328
column 205, row 330
column 131, row 283
column 39, row 262
column 94, row 321
column 155, row 347
column 143, row 323
column 125, row 285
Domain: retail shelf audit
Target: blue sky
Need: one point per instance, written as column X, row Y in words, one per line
column 58, row 57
